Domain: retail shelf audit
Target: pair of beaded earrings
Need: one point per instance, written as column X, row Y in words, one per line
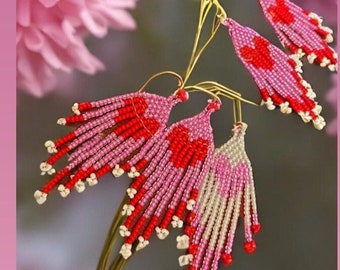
column 179, row 177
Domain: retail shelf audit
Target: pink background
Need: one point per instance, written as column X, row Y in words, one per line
column 8, row 139
column 8, row 135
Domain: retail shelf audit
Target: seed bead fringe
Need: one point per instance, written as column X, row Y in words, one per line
column 163, row 190
column 276, row 75
column 301, row 32
column 109, row 132
column 226, row 194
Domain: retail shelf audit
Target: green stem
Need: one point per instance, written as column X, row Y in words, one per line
column 111, row 236
column 118, row 263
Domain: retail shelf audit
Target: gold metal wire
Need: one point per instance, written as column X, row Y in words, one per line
column 237, row 111
column 167, row 72
column 118, row 263
column 195, row 88
column 111, row 236
column 220, row 15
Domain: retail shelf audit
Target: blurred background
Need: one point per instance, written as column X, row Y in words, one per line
column 294, row 165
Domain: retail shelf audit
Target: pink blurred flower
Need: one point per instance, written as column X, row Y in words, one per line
column 49, row 37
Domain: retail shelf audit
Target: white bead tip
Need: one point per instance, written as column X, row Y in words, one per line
column 92, row 180
column 185, row 259
column 176, row 222
column 123, row 231
column 162, row 233
column 117, row 171
column 61, row 121
column 133, row 173
column 40, row 196
column 131, row 192
column 64, row 192
column 190, row 204
column 284, row 108
column 75, row 108
column 50, row 146
column 127, row 209
column 311, row 58
column 319, row 123
column 46, row 168
column 80, row 186
column 142, row 243
column 182, row 242
column 125, row 251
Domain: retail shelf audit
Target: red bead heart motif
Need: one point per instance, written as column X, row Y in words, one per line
column 280, row 13
column 259, row 56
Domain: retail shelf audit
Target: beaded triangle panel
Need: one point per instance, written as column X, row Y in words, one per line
column 301, row 32
column 109, row 132
column 168, row 185
column 276, row 74
column 227, row 193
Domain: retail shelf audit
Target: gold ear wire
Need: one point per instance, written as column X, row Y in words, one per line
column 221, row 15
column 220, row 12
column 167, row 72
column 196, row 88
column 224, row 91
column 237, row 111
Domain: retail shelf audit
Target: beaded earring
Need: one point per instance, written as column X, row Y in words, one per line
column 109, row 132
column 301, row 32
column 226, row 193
column 276, row 74
column 169, row 184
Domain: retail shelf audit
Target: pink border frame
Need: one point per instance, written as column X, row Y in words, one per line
column 8, row 136
column 8, row 139
column 338, row 140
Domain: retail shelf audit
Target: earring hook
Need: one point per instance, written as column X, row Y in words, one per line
column 205, row 7
column 224, row 91
column 196, row 88
column 167, row 72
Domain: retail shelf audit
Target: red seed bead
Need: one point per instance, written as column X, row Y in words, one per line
column 66, row 138
column 167, row 218
column 126, row 166
column 193, row 249
column 264, row 93
column 55, row 180
column 54, row 158
column 182, row 95
column 138, row 196
column 250, row 246
column 214, row 105
column 74, row 119
column 227, row 259
column 84, row 106
column 255, row 228
column 141, row 164
column 189, row 230
column 190, row 217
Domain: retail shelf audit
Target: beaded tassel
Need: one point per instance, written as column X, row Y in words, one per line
column 276, row 75
column 109, row 132
column 169, row 184
column 301, row 32
column 211, row 225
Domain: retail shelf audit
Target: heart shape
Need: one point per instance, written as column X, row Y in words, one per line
column 150, row 124
column 280, row 13
column 184, row 150
column 259, row 56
